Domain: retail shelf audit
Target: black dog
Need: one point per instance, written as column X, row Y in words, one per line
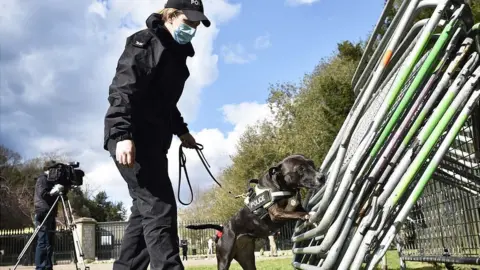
column 276, row 200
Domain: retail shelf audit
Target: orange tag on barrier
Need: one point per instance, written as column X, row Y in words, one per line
column 387, row 57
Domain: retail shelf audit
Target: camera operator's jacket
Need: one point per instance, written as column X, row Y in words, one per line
column 149, row 80
column 42, row 199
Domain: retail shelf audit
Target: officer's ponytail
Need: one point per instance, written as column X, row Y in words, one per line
column 168, row 13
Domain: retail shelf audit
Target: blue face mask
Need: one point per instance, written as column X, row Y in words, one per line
column 184, row 33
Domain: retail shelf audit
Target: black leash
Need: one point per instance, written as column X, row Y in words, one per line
column 183, row 162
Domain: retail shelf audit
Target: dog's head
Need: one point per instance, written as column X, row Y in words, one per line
column 294, row 172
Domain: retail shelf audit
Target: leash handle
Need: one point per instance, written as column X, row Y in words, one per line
column 182, row 163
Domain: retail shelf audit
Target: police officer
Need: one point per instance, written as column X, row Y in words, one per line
column 184, row 246
column 46, row 193
column 139, row 125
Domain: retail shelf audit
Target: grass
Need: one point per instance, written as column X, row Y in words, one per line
column 279, row 264
column 285, row 264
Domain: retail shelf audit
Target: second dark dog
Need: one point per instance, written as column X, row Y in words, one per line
column 274, row 201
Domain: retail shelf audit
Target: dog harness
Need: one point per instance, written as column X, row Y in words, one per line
column 258, row 200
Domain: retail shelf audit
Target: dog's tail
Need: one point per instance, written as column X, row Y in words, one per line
column 205, row 226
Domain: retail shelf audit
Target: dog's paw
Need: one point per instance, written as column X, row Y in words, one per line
column 309, row 223
column 310, row 215
column 308, row 218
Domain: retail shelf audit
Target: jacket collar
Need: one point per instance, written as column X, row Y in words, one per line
column 155, row 23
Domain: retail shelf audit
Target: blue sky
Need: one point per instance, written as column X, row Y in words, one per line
column 299, row 36
column 60, row 57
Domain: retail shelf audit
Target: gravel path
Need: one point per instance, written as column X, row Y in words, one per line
column 109, row 265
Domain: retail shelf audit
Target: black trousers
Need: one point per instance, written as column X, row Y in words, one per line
column 184, row 253
column 151, row 236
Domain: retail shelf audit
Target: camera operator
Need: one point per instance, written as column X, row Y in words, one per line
column 46, row 193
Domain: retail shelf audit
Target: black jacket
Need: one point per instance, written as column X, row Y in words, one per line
column 149, row 80
column 43, row 201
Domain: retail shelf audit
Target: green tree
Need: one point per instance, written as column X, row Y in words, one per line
column 104, row 210
column 475, row 6
column 308, row 116
column 17, row 182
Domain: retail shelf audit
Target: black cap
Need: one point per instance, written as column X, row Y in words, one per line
column 193, row 10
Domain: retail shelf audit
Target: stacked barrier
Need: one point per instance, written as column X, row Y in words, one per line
column 416, row 89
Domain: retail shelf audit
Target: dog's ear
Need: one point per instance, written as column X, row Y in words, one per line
column 275, row 170
column 250, row 182
column 253, row 180
column 276, row 176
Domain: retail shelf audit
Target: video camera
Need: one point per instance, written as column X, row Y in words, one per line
column 66, row 174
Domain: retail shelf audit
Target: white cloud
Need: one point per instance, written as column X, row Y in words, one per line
column 236, row 54
column 300, row 2
column 263, row 42
column 55, row 77
column 57, row 64
column 218, row 147
column 99, row 8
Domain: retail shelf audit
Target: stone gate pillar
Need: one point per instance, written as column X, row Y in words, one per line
column 86, row 233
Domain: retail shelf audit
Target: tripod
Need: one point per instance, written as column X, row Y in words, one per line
column 67, row 211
